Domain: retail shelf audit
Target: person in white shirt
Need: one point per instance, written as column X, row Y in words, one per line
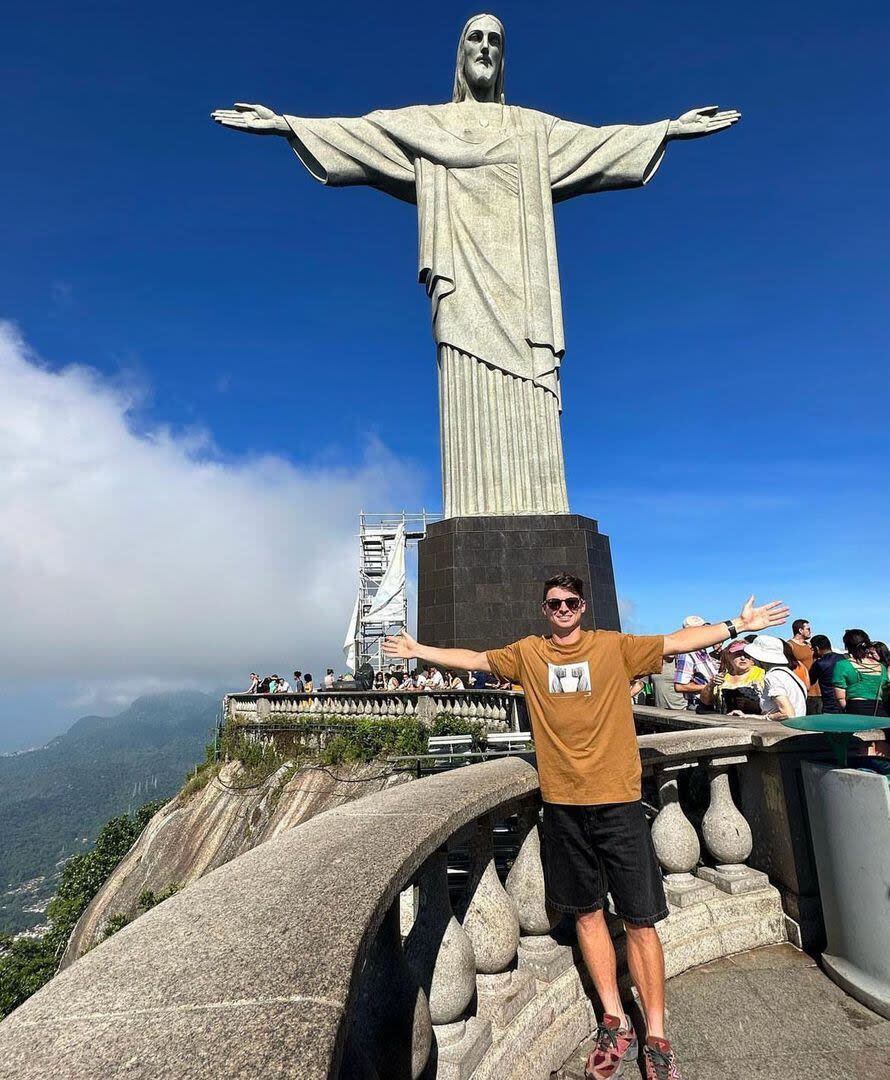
column 783, row 694
column 436, row 680
column 455, row 682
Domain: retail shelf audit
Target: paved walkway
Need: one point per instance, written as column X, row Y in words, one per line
column 768, row 1014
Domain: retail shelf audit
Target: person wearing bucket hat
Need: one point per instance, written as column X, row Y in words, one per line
column 783, row 695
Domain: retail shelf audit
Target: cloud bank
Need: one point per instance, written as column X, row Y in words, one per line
column 135, row 559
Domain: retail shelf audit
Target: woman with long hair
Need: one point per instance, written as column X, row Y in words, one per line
column 860, row 678
column 741, row 685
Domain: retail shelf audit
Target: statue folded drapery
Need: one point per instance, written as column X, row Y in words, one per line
column 484, row 177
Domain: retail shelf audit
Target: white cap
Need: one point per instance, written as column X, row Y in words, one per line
column 767, row 648
column 693, row 620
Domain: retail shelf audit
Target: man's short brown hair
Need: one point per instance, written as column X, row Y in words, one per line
column 564, row 580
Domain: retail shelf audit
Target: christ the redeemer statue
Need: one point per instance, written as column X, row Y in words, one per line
column 484, row 176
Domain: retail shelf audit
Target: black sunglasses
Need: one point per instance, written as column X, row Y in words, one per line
column 571, row 602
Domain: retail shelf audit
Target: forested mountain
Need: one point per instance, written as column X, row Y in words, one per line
column 54, row 800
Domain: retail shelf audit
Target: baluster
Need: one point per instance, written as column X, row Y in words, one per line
column 487, row 913
column 438, row 949
column 676, row 844
column 375, row 708
column 728, row 835
column 391, row 1021
column 409, row 708
column 538, row 952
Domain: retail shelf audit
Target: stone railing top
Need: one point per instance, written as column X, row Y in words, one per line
column 252, row 970
column 692, row 745
column 764, row 734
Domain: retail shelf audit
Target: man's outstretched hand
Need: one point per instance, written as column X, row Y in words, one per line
column 255, row 119
column 403, row 645
column 699, row 122
column 762, row 618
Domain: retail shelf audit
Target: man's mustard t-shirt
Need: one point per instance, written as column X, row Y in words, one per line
column 578, row 699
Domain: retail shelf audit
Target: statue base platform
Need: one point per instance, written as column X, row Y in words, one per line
column 479, row 579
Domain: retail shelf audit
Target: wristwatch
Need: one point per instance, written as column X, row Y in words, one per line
column 731, row 627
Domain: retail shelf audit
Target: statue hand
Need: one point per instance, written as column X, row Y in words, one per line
column 256, row 119
column 698, row 122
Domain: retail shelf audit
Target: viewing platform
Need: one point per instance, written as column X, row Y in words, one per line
column 346, row 948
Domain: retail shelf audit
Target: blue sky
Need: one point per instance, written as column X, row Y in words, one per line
column 725, row 382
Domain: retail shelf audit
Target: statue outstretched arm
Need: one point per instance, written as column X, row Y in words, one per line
column 337, row 151
column 586, row 159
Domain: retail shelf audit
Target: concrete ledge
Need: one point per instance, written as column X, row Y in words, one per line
column 543, row 1035
column 721, row 926
column 252, row 970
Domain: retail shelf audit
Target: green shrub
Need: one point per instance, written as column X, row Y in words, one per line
column 148, row 899
column 338, row 740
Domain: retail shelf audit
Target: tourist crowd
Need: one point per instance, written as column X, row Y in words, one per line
column 756, row 675
column 426, row 678
column 762, row 675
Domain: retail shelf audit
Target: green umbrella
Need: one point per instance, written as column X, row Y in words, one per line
column 839, row 727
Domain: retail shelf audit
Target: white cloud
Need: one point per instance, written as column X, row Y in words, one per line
column 134, row 559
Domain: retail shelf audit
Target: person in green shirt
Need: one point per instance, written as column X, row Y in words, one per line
column 860, row 679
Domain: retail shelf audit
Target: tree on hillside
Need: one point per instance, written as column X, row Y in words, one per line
column 27, row 963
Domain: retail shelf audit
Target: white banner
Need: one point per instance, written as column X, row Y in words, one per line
column 351, row 634
column 388, row 605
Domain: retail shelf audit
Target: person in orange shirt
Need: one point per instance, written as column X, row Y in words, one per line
column 594, row 837
column 804, row 655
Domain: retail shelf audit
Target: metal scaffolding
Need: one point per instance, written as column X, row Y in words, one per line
column 377, row 535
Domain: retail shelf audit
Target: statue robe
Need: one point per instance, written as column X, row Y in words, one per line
column 484, row 178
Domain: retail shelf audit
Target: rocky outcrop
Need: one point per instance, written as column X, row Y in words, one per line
column 201, row 830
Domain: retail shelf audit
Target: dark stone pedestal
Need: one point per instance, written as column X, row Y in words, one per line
column 480, row 578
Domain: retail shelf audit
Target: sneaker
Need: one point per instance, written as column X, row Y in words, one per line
column 614, row 1046
column 660, row 1060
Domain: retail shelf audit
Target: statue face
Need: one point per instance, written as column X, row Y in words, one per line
column 482, row 52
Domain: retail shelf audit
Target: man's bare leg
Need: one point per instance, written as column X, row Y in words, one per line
column 645, row 959
column 599, row 956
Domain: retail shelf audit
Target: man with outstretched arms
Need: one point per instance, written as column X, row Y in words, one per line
column 595, row 838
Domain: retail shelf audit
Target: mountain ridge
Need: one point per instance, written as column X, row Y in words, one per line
column 55, row 798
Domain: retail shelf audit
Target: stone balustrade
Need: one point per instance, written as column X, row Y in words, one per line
column 499, row 710
column 334, row 950
column 719, row 904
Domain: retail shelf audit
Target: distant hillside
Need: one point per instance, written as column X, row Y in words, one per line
column 53, row 801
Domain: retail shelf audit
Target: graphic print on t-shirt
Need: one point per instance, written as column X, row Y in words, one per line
column 571, row 678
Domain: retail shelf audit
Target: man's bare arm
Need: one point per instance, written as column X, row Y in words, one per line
column 405, row 647
column 750, row 618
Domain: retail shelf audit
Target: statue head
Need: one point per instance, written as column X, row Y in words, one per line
column 479, row 70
